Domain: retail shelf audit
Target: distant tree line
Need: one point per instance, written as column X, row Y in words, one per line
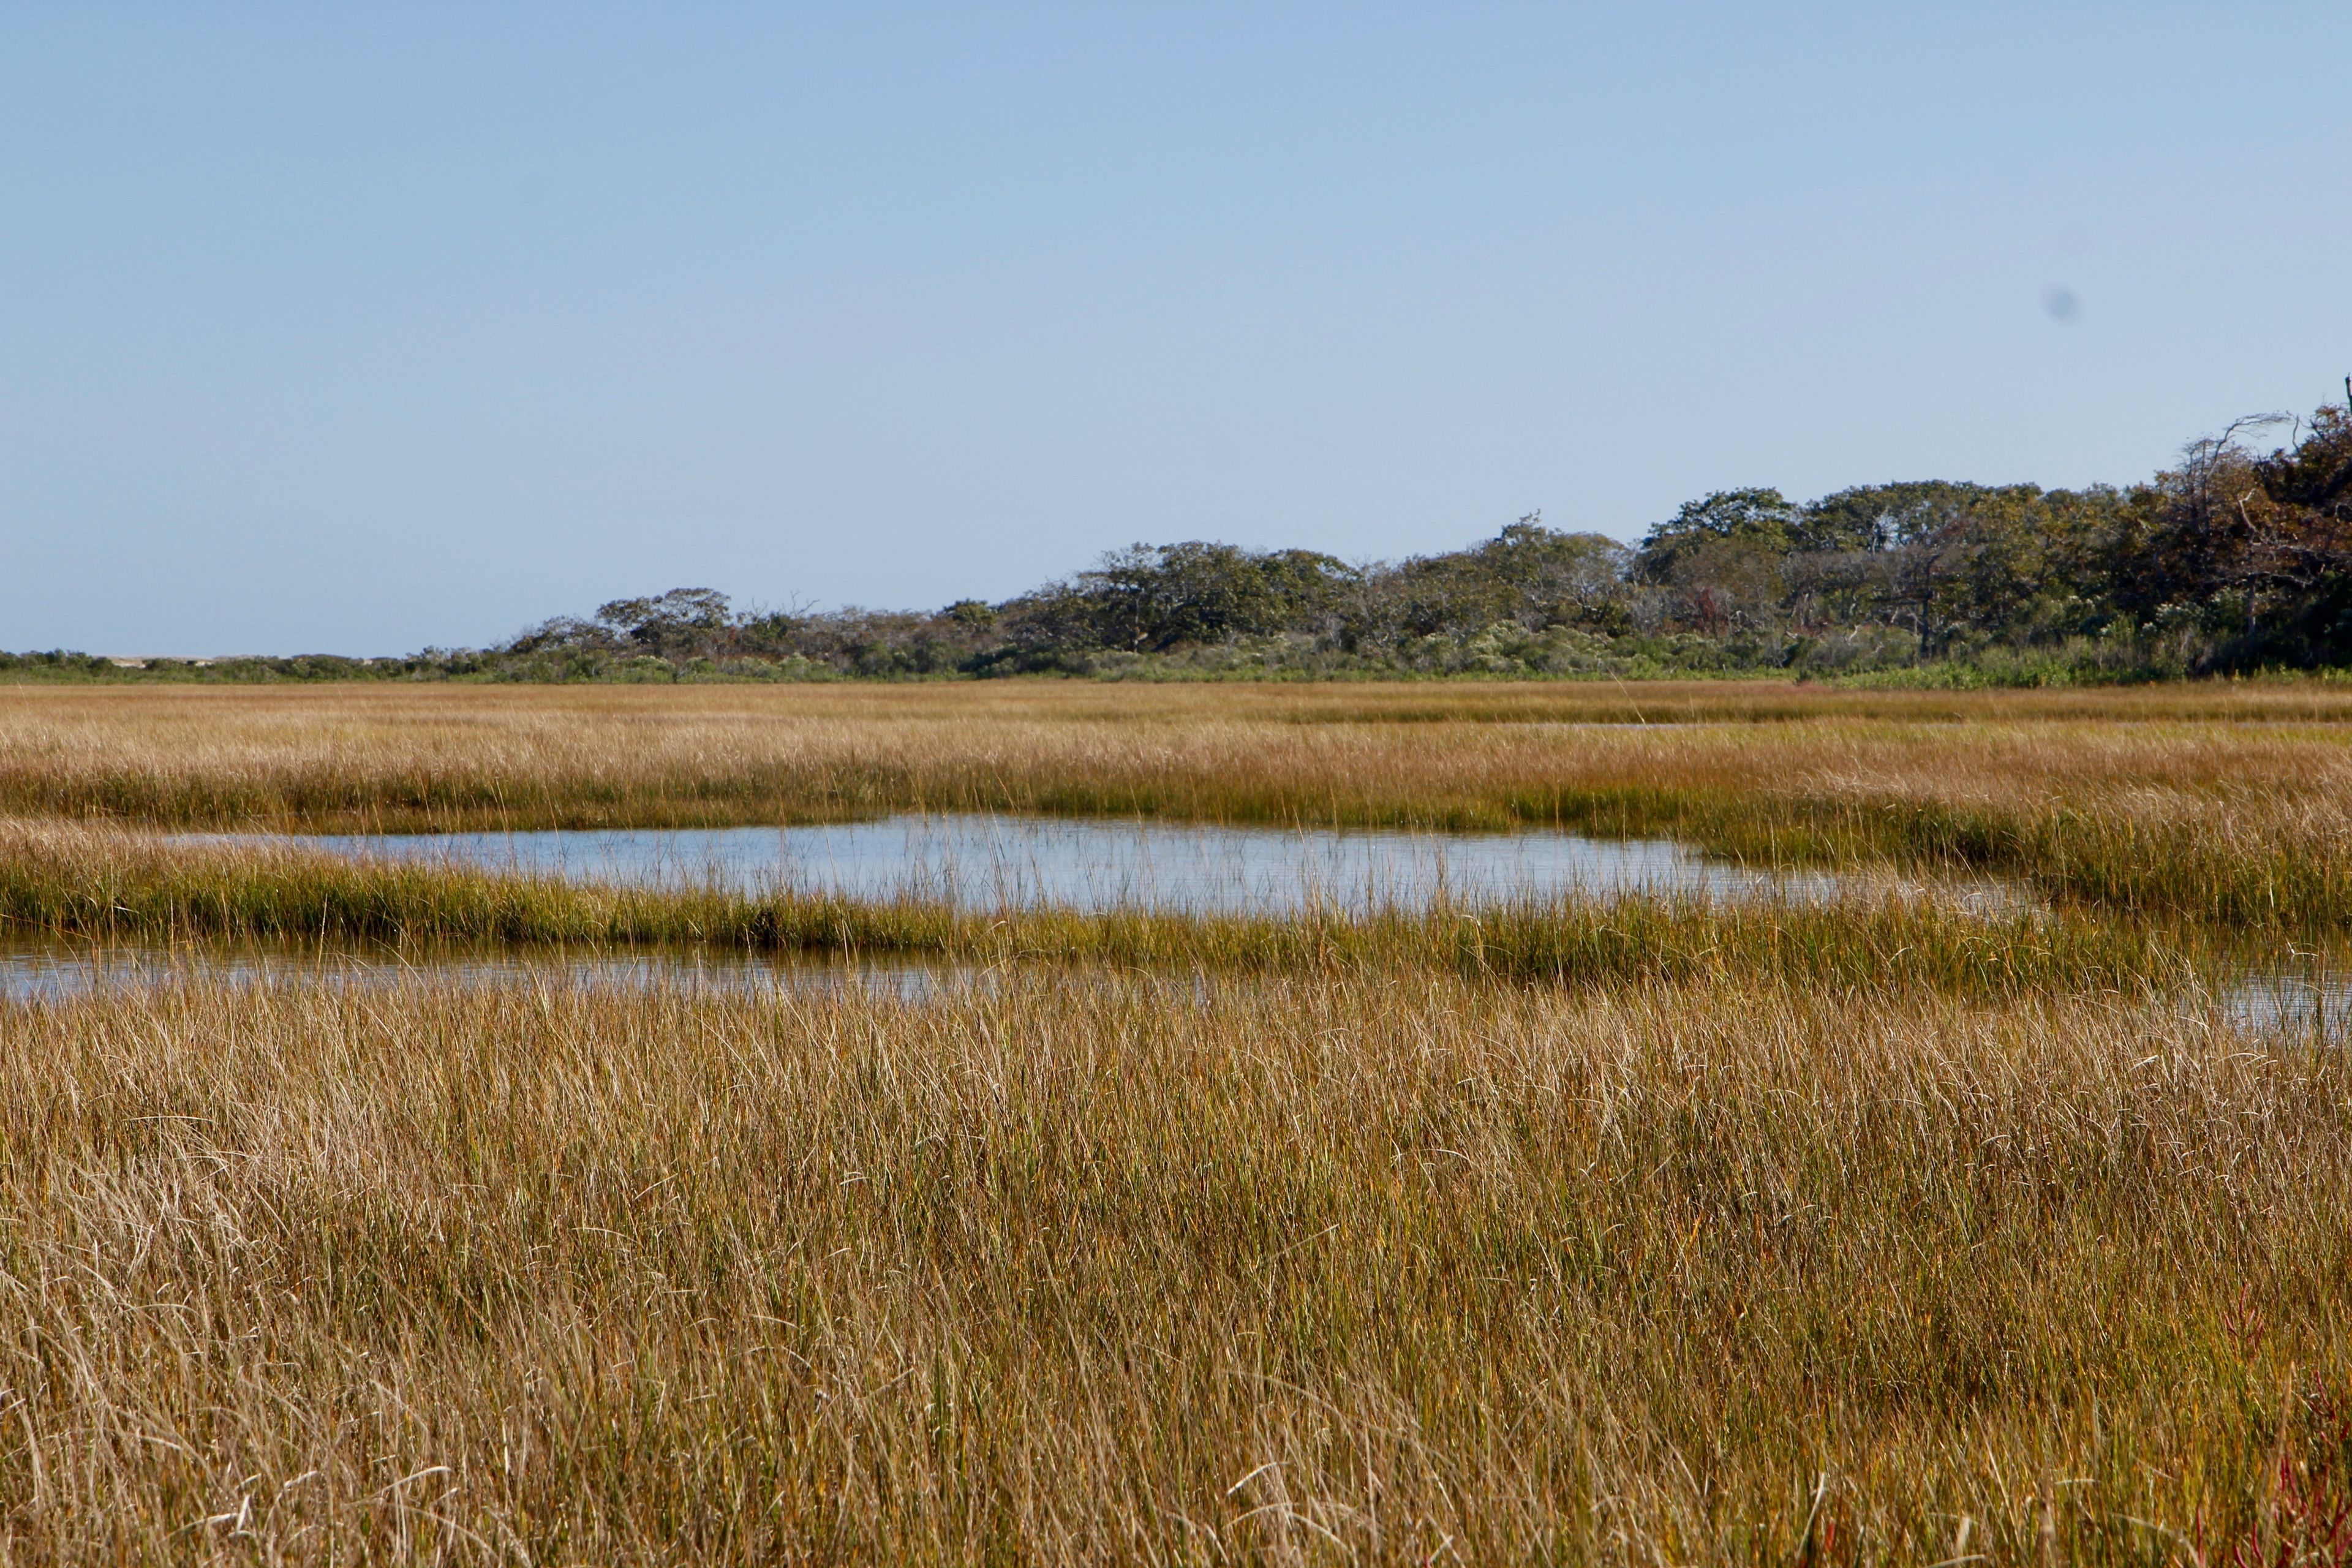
column 2236, row 559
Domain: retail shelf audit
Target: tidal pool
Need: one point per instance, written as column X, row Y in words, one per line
column 977, row 862
column 985, row 862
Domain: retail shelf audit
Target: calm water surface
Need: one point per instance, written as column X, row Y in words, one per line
column 2303, row 1002
column 994, row 862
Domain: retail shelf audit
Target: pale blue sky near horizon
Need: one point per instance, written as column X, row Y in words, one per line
column 366, row 328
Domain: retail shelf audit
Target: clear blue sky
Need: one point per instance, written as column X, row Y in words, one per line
column 365, row 327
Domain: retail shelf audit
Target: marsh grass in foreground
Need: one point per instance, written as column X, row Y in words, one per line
column 89, row 882
column 1086, row 1270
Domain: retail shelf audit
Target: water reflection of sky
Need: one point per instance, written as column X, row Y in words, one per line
column 991, row 862
column 2304, row 1002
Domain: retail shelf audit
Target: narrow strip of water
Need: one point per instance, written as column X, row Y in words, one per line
column 987, row 862
column 2306, row 998
column 48, row 971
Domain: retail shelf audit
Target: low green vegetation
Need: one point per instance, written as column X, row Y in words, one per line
column 2234, row 560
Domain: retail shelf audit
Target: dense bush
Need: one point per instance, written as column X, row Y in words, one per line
column 2234, row 560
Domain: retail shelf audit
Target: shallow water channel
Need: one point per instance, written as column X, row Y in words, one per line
column 2301, row 1002
column 60, row 970
column 990, row 862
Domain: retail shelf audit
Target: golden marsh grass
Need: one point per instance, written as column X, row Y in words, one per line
column 2221, row 803
column 1628, row 1232
column 1271, row 1269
